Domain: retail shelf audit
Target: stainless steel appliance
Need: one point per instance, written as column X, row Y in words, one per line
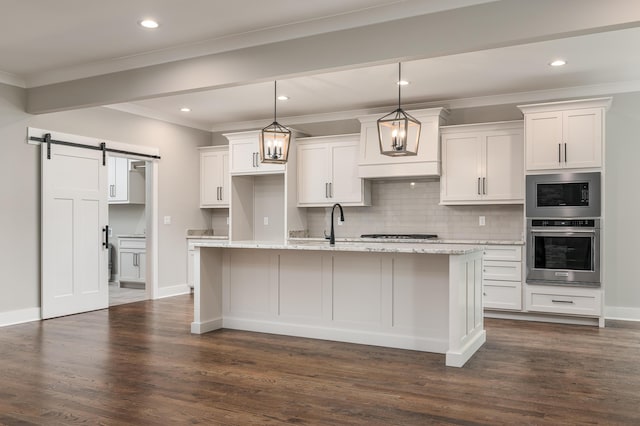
column 563, row 252
column 563, row 195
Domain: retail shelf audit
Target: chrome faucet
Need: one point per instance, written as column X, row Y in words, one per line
column 332, row 236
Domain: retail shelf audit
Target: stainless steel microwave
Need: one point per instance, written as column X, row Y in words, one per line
column 563, row 195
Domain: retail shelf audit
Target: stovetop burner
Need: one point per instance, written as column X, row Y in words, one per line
column 401, row 236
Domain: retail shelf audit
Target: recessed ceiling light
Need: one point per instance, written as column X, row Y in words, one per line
column 402, row 83
column 149, row 23
column 283, row 98
column 558, row 63
column 185, row 109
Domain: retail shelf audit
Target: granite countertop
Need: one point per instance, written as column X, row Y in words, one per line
column 412, row 241
column 354, row 246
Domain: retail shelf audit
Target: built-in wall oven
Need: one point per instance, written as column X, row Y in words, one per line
column 563, row 252
column 563, row 229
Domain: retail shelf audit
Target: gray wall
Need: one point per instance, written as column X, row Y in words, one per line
column 622, row 206
column 20, row 188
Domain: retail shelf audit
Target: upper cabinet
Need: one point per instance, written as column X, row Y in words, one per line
column 126, row 183
column 244, row 155
column 483, row 164
column 372, row 164
column 565, row 135
column 328, row 172
column 214, row 177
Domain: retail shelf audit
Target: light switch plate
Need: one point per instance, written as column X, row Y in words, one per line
column 481, row 221
column 266, row 220
column 167, row 220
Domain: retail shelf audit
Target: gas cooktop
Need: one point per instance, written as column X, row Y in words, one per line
column 401, row 236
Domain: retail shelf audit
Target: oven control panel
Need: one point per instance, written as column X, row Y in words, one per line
column 570, row 223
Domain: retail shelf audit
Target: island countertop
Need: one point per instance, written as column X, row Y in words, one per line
column 351, row 246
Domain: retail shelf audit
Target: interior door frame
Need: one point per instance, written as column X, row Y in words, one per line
column 151, row 195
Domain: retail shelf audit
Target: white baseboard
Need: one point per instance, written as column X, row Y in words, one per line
column 174, row 290
column 20, row 316
column 540, row 317
column 206, row 326
column 622, row 313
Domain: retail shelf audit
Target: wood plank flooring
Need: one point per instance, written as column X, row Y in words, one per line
column 138, row 364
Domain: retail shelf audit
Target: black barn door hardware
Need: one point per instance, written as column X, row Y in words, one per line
column 103, row 147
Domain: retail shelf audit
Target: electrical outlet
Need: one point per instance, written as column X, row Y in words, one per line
column 481, row 221
column 340, row 222
column 227, row 220
column 167, row 220
column 266, row 220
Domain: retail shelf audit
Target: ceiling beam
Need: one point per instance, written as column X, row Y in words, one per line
column 480, row 27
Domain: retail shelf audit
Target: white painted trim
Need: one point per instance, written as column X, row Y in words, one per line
column 174, row 290
column 20, row 316
column 338, row 334
column 622, row 313
column 528, row 316
column 459, row 358
column 151, row 219
column 206, row 326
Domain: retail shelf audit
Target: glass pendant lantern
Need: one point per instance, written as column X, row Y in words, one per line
column 275, row 138
column 398, row 131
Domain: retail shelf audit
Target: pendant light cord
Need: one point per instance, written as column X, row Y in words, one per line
column 399, row 82
column 275, row 99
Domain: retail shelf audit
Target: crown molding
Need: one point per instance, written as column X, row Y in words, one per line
column 12, row 80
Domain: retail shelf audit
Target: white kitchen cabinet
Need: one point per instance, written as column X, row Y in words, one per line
column 132, row 259
column 244, row 155
column 372, row 164
column 126, row 184
column 214, row 177
column 328, row 172
column 502, row 277
column 483, row 163
column 580, row 301
column 565, row 135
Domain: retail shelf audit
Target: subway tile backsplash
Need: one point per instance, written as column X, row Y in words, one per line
column 405, row 206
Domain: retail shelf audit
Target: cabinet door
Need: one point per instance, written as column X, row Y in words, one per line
column 118, row 179
column 142, row 265
column 504, row 166
column 543, row 140
column 462, row 167
column 312, row 174
column 128, row 266
column 346, row 186
column 225, row 180
column 243, row 156
column 582, row 131
column 210, row 178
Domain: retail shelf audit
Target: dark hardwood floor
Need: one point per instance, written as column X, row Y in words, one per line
column 138, row 364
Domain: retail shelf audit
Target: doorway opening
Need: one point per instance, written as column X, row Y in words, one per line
column 128, row 210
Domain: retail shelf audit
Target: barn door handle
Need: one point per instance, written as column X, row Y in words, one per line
column 106, row 236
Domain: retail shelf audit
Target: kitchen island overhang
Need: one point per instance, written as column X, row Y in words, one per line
column 425, row 297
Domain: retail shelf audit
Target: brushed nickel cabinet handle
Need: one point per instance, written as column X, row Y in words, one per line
column 570, row 302
column 330, row 189
column 484, row 185
column 479, row 186
column 559, row 159
column 565, row 152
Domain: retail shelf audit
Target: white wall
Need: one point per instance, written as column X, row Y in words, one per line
column 20, row 188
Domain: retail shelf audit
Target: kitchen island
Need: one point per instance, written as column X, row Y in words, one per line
column 425, row 297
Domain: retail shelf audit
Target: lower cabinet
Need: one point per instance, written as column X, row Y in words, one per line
column 132, row 260
column 564, row 300
column 502, row 278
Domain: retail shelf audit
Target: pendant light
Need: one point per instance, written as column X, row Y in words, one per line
column 274, row 139
column 398, row 132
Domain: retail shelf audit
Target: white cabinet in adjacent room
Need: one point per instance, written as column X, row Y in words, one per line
column 565, row 135
column 126, row 183
column 328, row 172
column 502, row 277
column 244, row 155
column 214, row 177
column 372, row 164
column 132, row 259
column 483, row 163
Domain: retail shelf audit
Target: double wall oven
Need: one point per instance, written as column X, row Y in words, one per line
column 563, row 229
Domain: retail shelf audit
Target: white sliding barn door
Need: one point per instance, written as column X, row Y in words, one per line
column 74, row 214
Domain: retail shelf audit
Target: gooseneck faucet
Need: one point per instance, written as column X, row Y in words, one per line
column 332, row 237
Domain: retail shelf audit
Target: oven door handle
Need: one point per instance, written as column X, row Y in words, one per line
column 554, row 231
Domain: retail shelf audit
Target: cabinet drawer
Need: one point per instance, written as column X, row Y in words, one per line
column 502, row 295
column 133, row 243
column 564, row 300
column 502, row 271
column 508, row 253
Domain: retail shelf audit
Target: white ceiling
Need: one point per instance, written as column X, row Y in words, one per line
column 71, row 39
